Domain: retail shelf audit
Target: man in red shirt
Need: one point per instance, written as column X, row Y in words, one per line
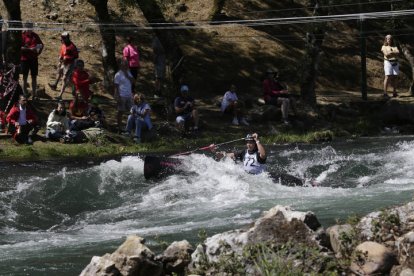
column 68, row 54
column 23, row 121
column 31, row 48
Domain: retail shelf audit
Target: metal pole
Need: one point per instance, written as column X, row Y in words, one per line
column 363, row 48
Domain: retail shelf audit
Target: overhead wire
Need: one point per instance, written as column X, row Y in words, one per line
column 211, row 24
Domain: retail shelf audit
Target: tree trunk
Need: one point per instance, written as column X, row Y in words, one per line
column 153, row 13
column 314, row 40
column 410, row 58
column 218, row 7
column 14, row 38
column 108, row 42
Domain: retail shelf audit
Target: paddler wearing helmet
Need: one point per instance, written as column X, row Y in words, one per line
column 253, row 157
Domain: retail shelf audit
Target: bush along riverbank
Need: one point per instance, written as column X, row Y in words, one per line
column 281, row 242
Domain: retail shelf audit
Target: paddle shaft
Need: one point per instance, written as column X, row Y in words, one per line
column 207, row 147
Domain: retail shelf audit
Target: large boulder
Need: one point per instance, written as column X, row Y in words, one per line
column 278, row 226
column 371, row 258
column 131, row 258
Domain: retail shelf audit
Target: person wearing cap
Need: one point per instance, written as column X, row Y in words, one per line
column 391, row 66
column 230, row 104
column 276, row 93
column 184, row 106
column 32, row 47
column 253, row 157
column 67, row 56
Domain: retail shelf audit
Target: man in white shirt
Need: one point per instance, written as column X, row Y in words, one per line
column 123, row 81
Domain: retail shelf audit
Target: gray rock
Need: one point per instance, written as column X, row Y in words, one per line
column 335, row 232
column 278, row 225
column 372, row 258
column 177, row 256
column 131, row 258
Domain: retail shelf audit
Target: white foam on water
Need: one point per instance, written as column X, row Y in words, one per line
column 220, row 194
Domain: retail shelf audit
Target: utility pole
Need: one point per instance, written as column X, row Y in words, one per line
column 363, row 48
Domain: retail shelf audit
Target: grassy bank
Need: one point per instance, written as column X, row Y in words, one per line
column 11, row 151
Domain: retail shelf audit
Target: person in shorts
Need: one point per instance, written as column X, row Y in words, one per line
column 32, row 47
column 391, row 65
column 67, row 57
column 184, row 106
column 123, row 81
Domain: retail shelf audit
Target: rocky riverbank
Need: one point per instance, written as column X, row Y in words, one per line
column 281, row 242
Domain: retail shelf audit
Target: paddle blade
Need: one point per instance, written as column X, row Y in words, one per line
column 155, row 167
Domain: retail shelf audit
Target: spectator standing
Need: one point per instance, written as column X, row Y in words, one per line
column 80, row 79
column 276, row 93
column 23, row 121
column 184, row 106
column 32, row 47
column 67, row 56
column 391, row 65
column 159, row 65
column 131, row 55
column 140, row 117
column 123, row 90
column 57, row 125
column 231, row 105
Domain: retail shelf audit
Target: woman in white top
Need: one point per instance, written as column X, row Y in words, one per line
column 391, row 66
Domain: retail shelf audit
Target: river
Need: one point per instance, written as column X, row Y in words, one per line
column 55, row 217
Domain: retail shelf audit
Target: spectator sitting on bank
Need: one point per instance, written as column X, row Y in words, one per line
column 140, row 118
column 68, row 54
column 123, row 90
column 231, row 105
column 184, row 106
column 131, row 55
column 23, row 122
column 276, row 93
column 96, row 113
column 32, row 47
column 57, row 125
column 78, row 114
column 80, row 79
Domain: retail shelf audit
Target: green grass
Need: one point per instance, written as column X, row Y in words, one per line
column 101, row 148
